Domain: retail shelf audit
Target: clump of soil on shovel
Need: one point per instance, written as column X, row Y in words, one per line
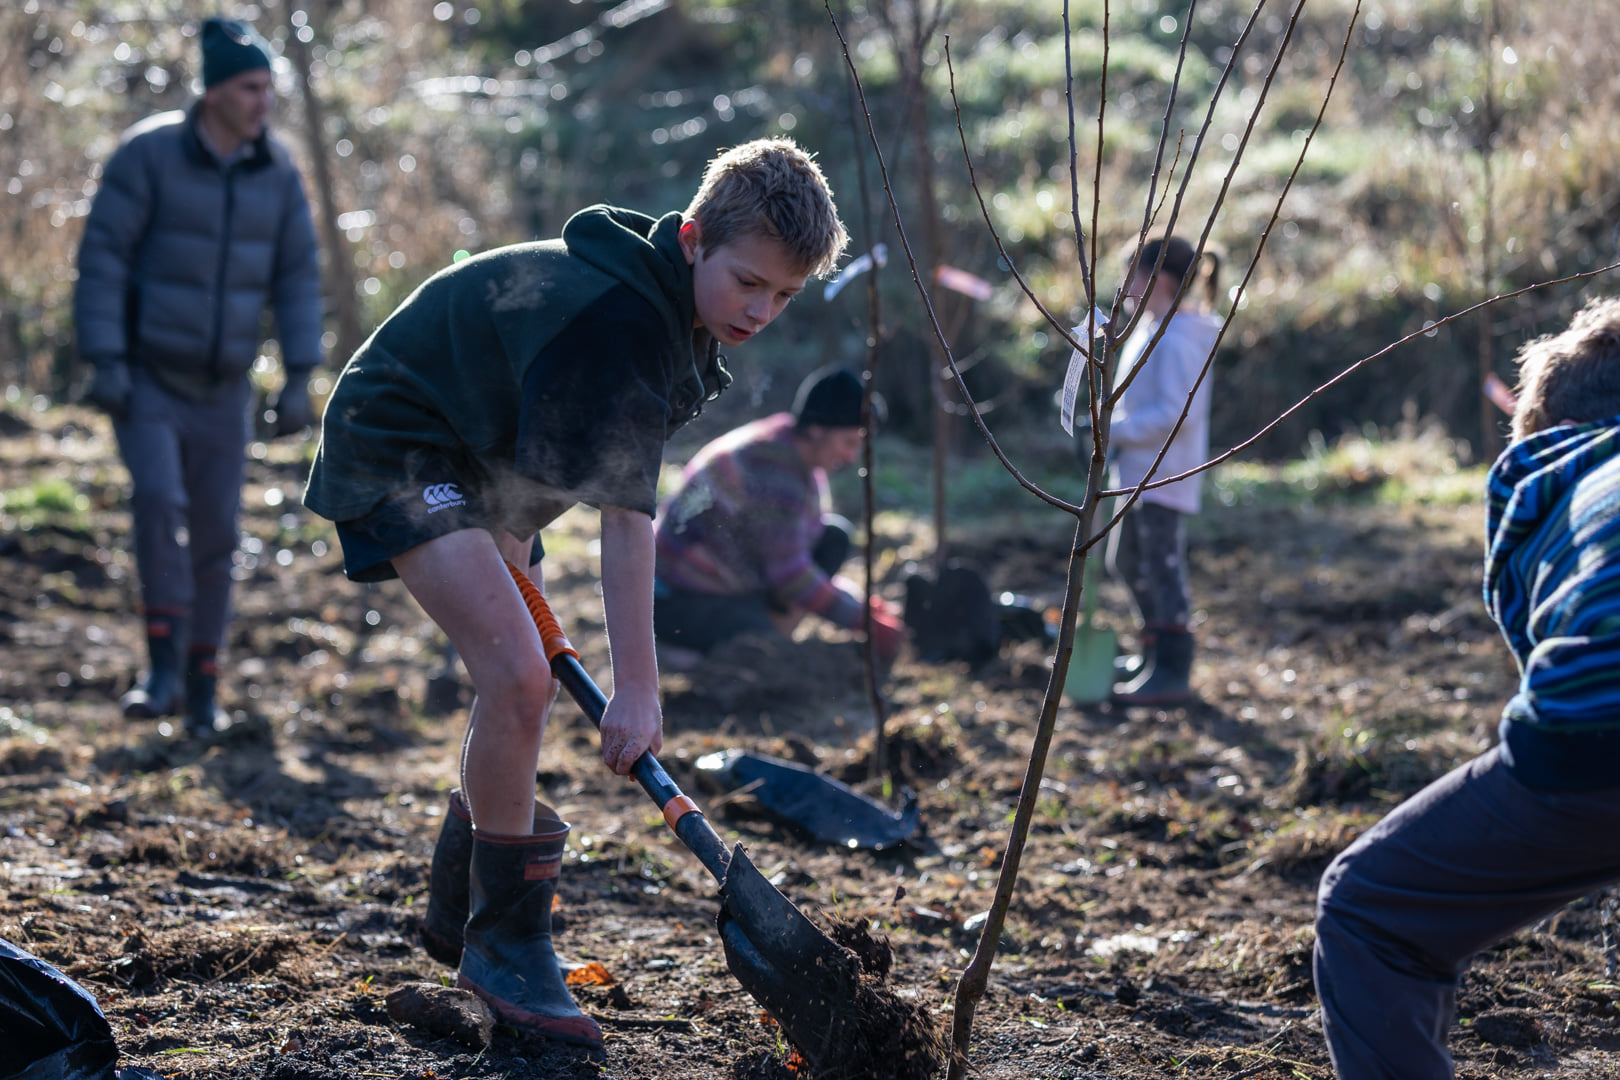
column 896, row 1038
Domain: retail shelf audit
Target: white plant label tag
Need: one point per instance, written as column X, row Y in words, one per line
column 1077, row 364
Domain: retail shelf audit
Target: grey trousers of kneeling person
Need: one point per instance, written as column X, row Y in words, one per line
column 1402, row 911
column 186, row 463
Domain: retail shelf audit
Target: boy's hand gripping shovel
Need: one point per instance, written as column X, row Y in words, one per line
column 807, row 981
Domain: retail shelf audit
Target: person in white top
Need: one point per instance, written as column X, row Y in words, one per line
column 1149, row 548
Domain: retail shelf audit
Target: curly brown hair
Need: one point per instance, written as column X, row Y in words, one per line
column 1573, row 375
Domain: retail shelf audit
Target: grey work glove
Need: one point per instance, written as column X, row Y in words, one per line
column 111, row 388
column 291, row 405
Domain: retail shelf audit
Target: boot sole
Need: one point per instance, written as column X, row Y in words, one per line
column 144, row 710
column 577, row 1030
column 1153, row 699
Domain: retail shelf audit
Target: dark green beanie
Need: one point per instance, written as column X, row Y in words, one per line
column 230, row 47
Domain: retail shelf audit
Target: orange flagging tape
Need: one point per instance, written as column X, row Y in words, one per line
column 552, row 638
column 677, row 808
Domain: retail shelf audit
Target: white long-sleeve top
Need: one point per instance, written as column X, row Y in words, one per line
column 1153, row 403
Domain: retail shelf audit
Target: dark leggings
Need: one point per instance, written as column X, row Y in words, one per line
column 1149, row 552
column 698, row 620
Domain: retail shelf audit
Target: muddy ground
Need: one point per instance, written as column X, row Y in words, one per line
column 243, row 908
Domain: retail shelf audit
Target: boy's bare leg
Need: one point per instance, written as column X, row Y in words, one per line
column 462, row 582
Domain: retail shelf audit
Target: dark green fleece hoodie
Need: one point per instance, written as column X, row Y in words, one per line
column 567, row 363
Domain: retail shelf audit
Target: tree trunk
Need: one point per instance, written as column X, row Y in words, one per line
column 340, row 278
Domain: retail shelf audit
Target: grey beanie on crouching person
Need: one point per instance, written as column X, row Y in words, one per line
column 230, row 47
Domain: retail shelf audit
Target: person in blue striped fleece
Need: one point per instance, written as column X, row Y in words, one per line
column 1533, row 823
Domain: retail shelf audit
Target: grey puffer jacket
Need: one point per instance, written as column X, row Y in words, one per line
column 181, row 253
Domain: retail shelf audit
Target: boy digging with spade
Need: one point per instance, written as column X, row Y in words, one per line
column 505, row 389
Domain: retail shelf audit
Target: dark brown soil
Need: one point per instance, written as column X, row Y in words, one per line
column 243, row 909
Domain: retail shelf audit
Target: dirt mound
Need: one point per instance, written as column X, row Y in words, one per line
column 761, row 684
column 896, row 1038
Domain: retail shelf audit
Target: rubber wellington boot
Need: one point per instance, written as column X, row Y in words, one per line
column 1128, row 666
column 203, row 717
column 1164, row 679
column 507, row 958
column 158, row 694
column 446, row 917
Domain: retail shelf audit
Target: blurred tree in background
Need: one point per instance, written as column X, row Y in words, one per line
column 1468, row 150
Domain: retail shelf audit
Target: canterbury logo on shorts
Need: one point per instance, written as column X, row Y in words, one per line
column 442, row 497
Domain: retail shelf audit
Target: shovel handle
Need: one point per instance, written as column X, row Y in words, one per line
column 681, row 814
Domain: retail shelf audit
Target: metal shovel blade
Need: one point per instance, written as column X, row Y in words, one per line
column 804, row 978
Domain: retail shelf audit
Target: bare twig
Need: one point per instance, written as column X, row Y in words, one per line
column 1427, row 329
column 1087, row 282
column 922, row 289
column 1203, row 239
column 874, row 336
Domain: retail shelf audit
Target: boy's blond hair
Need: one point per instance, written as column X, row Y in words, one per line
column 770, row 188
column 1573, row 375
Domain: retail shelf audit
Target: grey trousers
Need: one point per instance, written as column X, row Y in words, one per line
column 186, row 461
column 1148, row 551
column 1401, row 912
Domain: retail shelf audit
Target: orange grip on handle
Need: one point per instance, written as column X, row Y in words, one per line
column 552, row 638
column 677, row 808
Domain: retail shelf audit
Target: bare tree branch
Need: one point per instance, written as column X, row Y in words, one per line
column 1428, row 329
column 922, row 289
column 874, row 336
column 1260, row 246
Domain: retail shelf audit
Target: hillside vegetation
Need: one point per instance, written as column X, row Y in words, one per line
column 1466, row 151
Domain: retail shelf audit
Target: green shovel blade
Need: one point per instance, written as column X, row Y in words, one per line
column 1091, row 666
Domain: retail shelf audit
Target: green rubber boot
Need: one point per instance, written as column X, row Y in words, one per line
column 446, row 918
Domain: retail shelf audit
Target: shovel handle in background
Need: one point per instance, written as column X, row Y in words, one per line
column 681, row 814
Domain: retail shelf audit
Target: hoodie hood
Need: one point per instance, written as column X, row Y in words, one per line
column 1529, row 488
column 642, row 252
column 645, row 254
column 1552, row 578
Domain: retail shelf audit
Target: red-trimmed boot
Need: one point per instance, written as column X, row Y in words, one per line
column 1166, row 671
column 204, row 718
column 159, row 693
column 1129, row 666
column 446, row 918
column 507, row 958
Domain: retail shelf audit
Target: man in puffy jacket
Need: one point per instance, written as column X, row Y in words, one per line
column 200, row 221
column 1534, row 822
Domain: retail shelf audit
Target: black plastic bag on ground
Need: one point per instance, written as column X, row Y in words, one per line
column 951, row 615
column 54, row 1030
